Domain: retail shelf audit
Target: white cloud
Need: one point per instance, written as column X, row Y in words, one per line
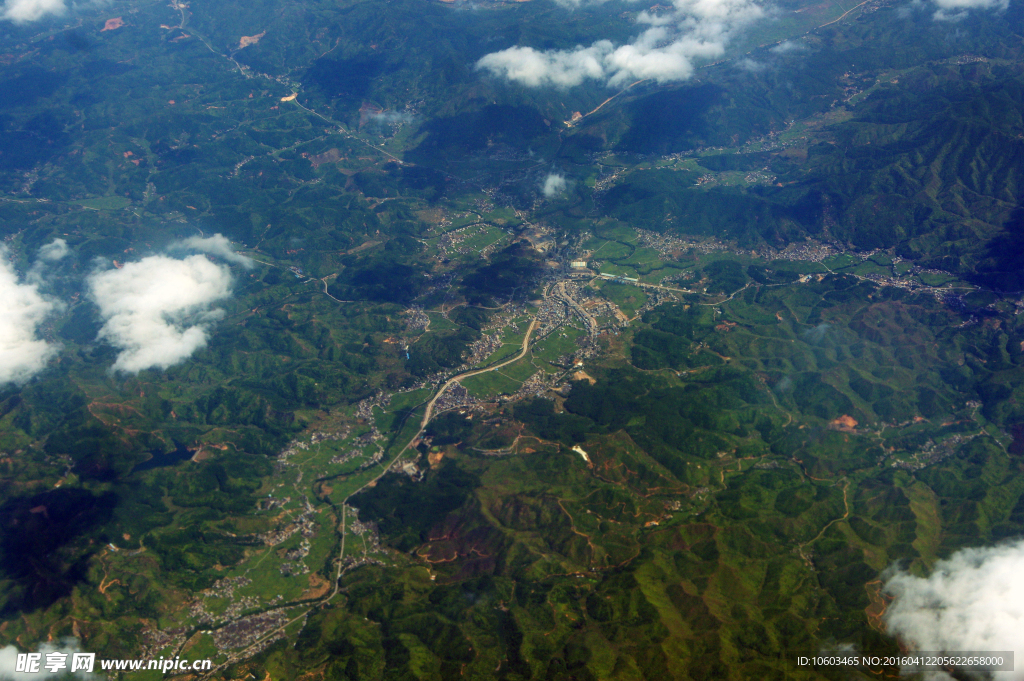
column 20, row 11
column 748, row 64
column 157, row 309
column 974, row 601
column 954, row 10
column 217, row 245
column 560, row 68
column 55, row 250
column 9, row 659
column 972, row 4
column 382, row 118
column 48, row 254
column 576, row 4
column 694, row 30
column 22, row 309
column 787, row 46
column 554, row 184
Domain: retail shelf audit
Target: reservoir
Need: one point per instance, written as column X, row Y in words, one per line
column 159, row 459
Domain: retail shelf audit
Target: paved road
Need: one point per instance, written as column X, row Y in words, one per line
column 456, row 379
column 559, row 293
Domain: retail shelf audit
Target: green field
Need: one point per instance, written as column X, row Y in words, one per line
column 105, row 203
column 491, row 384
column 627, row 297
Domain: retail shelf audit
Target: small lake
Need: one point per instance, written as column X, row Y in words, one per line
column 159, row 459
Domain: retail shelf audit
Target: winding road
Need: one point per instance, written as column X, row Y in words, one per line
column 456, row 379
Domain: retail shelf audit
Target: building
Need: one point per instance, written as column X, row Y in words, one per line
column 619, row 277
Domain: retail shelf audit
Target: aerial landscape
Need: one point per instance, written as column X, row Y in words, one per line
column 491, row 339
